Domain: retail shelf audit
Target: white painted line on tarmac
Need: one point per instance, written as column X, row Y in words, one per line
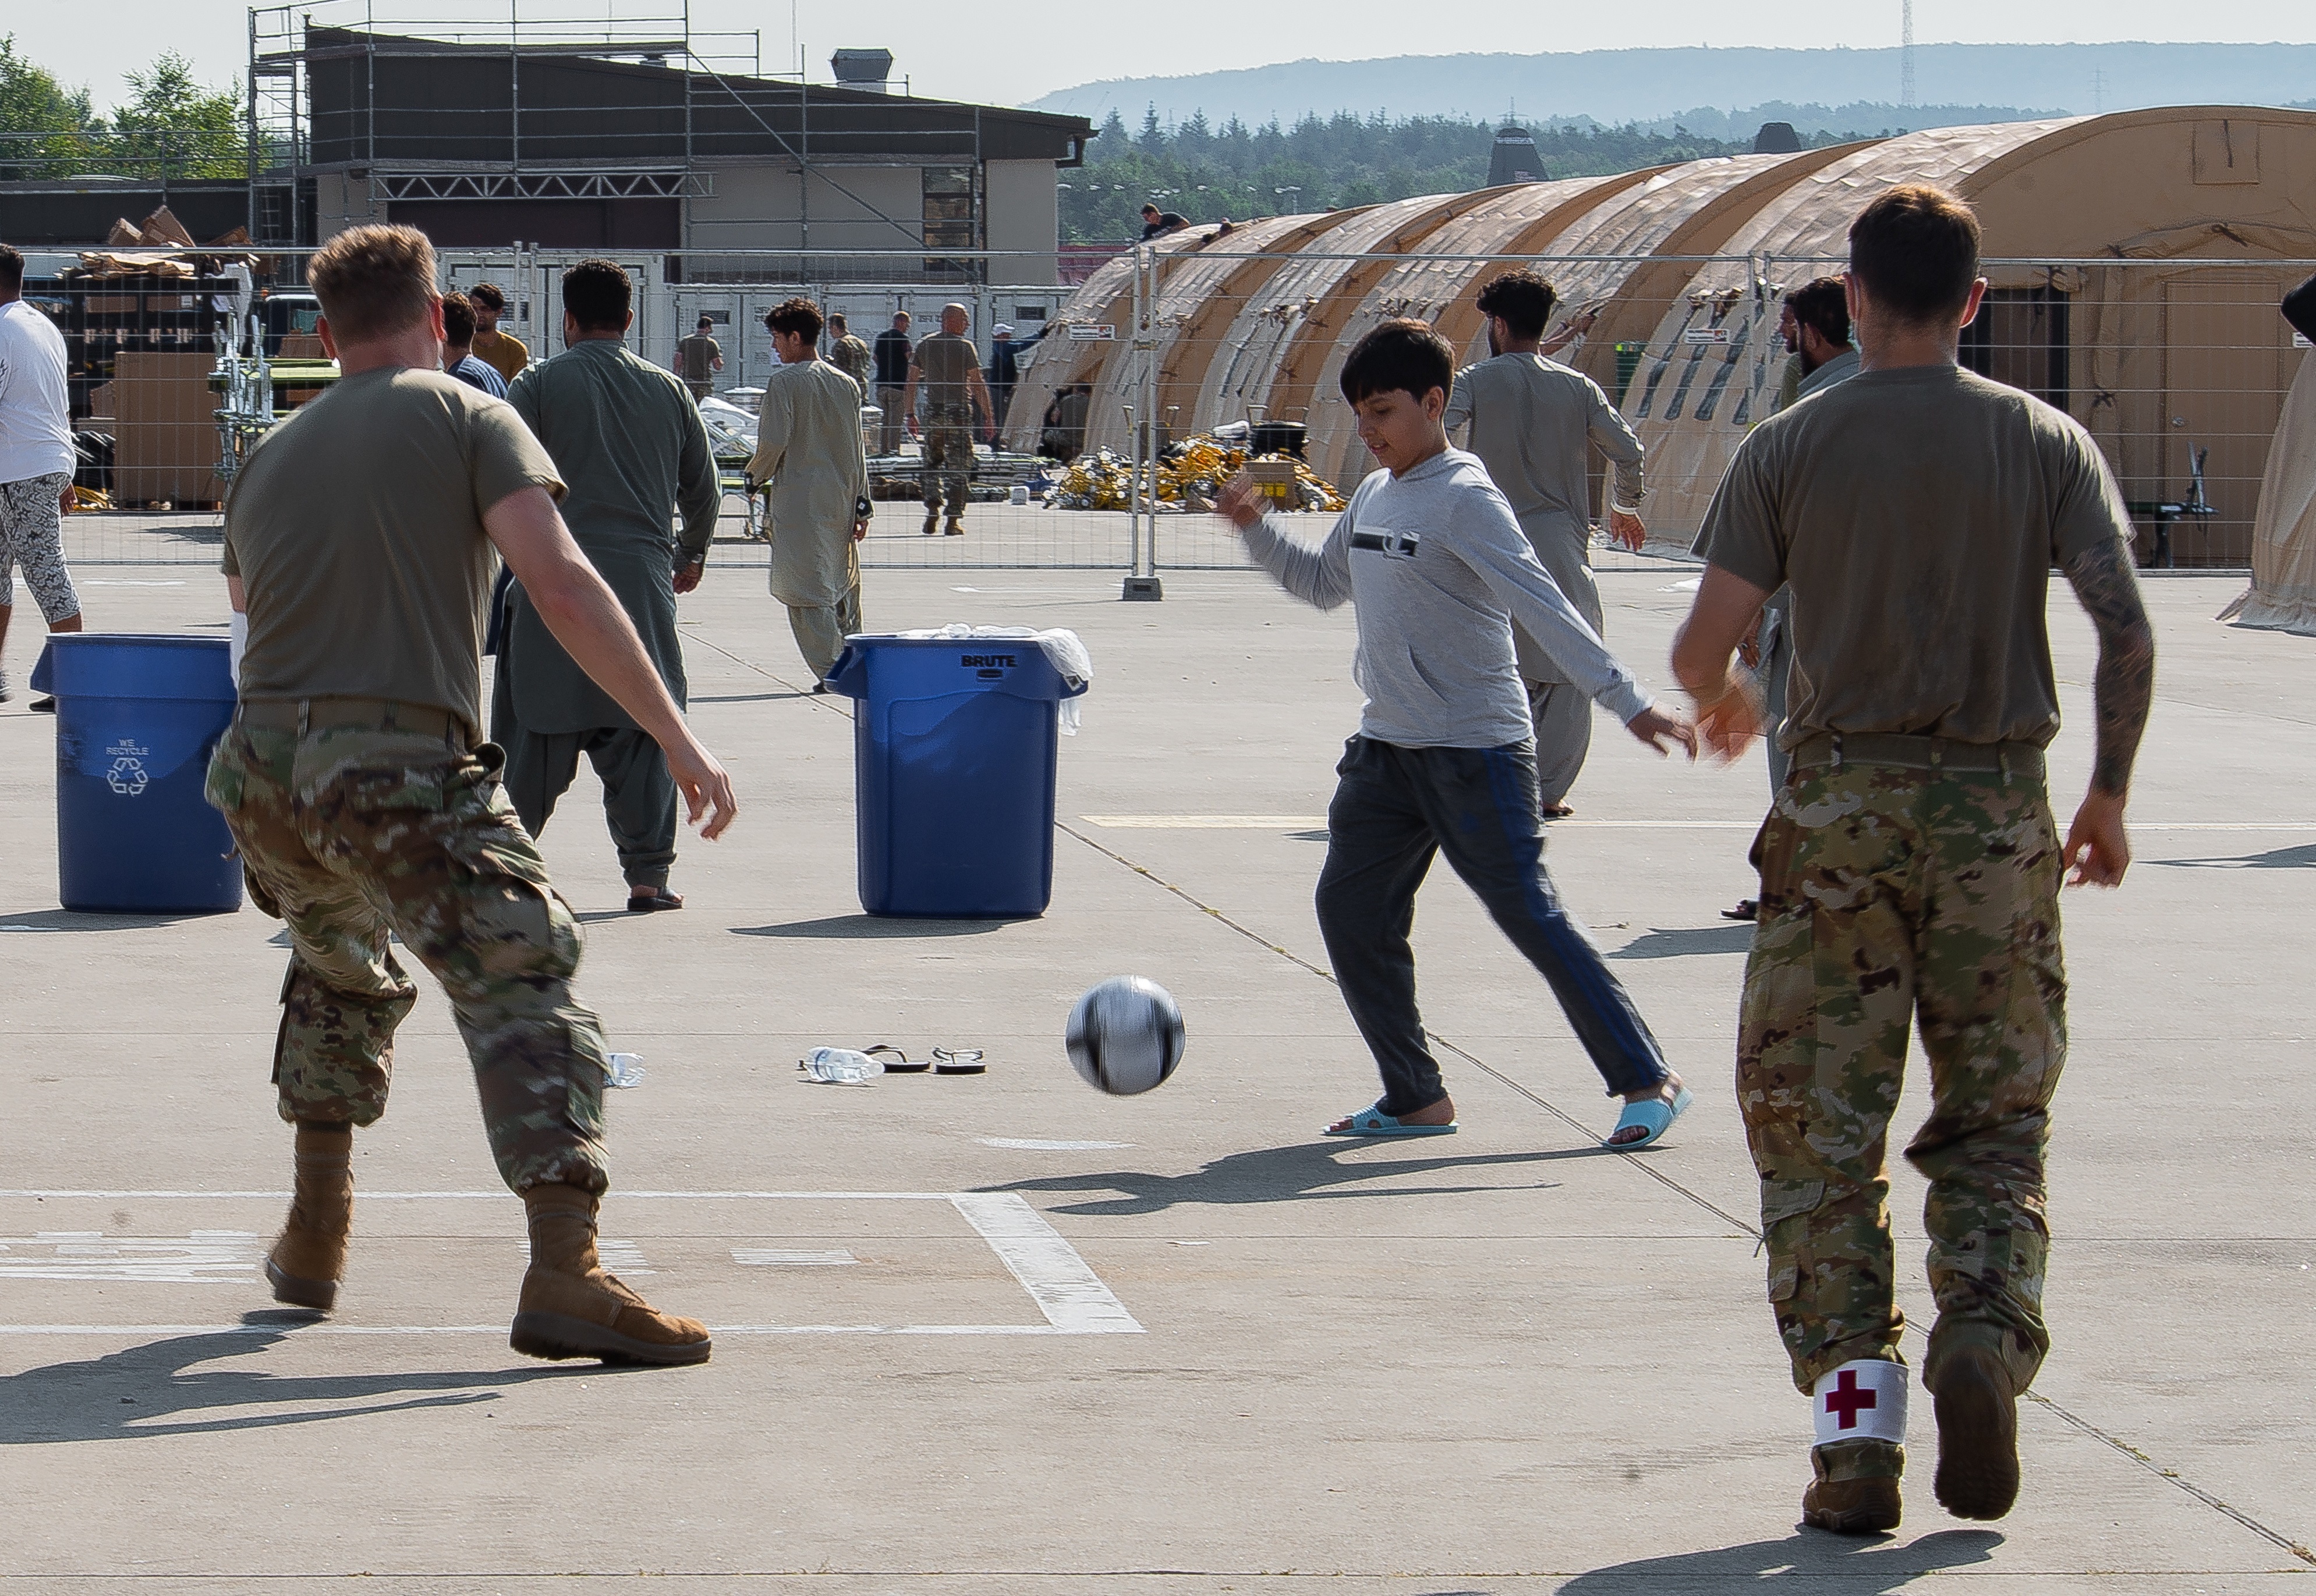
column 1066, row 1291
column 1073, row 1300
column 1205, row 822
column 1584, row 823
column 1033, row 1145
column 793, row 1257
column 205, row 1257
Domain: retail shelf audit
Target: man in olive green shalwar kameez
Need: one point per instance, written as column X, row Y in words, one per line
column 628, row 440
column 808, row 449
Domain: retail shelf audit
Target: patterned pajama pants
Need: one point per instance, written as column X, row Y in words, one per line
column 31, row 534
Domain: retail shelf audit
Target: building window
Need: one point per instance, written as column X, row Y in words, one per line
column 949, row 207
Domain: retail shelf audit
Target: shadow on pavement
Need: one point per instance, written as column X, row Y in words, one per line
column 65, row 919
column 1675, row 944
column 745, row 698
column 869, row 928
column 1853, row 1568
column 2302, row 858
column 1284, row 1174
column 150, row 1390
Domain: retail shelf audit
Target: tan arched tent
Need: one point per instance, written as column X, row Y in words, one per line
column 2132, row 285
column 2136, row 262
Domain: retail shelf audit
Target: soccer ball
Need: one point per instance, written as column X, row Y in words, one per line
column 1125, row 1036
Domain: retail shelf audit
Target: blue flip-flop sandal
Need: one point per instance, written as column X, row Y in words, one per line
column 1652, row 1114
column 1373, row 1122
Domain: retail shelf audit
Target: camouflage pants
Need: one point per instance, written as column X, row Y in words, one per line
column 1892, row 898
column 349, row 833
column 949, row 461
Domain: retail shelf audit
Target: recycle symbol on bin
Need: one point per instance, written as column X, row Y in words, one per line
column 127, row 776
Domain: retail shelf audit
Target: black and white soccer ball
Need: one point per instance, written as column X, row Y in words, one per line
column 1125, row 1036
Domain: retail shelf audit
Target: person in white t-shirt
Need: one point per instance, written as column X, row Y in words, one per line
column 36, row 460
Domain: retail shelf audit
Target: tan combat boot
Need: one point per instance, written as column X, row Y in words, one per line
column 1855, row 1487
column 309, row 1258
column 571, row 1309
column 1978, row 1433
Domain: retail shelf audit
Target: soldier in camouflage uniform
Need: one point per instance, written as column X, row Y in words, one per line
column 1911, row 865
column 358, row 553
column 948, row 367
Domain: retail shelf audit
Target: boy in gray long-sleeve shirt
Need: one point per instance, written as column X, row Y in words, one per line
column 1438, row 572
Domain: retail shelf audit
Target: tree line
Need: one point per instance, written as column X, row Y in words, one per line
column 1207, row 173
column 172, row 126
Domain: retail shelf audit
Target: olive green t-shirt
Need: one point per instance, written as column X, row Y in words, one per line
column 356, row 527
column 1917, row 513
column 946, row 361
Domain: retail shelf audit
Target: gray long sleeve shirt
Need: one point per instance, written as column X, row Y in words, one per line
column 1437, row 572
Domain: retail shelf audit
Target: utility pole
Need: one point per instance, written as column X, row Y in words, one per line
column 1906, row 54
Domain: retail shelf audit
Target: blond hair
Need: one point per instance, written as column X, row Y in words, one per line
column 373, row 282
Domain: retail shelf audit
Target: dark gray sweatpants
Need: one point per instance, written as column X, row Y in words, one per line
column 638, row 792
column 1395, row 808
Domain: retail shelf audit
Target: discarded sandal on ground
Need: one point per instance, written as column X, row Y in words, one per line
column 895, row 1061
column 1372, row 1121
column 653, row 900
column 960, row 1061
column 1652, row 1114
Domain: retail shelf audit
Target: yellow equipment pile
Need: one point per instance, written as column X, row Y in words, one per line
column 1189, row 477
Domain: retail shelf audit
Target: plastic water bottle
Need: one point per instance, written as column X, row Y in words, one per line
column 841, row 1066
column 624, row 1070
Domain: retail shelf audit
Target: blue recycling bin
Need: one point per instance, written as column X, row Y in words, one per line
column 137, row 717
column 954, row 743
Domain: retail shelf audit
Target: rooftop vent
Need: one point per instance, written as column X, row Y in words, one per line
column 1514, row 158
column 870, row 69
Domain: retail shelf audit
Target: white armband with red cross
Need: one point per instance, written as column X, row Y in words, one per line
column 1862, row 1400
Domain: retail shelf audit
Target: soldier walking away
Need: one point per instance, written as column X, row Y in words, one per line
column 808, row 454
column 848, row 355
column 630, row 442
column 1909, row 870
column 948, row 367
column 358, row 550
column 1534, row 424
column 697, row 360
column 892, row 354
column 36, row 461
column 502, row 352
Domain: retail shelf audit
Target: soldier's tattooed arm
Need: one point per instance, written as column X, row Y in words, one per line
column 2124, row 685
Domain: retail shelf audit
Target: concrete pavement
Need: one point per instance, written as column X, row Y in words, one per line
column 1002, row 1334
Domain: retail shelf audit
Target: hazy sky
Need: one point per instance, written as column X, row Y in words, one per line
column 1018, row 49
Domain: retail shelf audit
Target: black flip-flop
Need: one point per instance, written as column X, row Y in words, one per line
column 895, row 1061
column 660, row 903
column 960, row 1061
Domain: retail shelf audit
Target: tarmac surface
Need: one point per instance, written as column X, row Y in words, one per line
column 1004, row 1336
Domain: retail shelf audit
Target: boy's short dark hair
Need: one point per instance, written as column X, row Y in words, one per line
column 1522, row 298
column 597, row 295
column 1151, row 209
column 458, row 318
column 1403, row 354
column 488, row 297
column 1915, row 250
column 12, row 268
column 706, row 322
column 837, row 323
column 799, row 317
column 1821, row 303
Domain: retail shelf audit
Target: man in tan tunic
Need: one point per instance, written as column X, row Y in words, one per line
column 1534, row 424
column 809, row 453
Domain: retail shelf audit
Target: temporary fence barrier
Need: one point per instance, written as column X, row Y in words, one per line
column 2176, row 367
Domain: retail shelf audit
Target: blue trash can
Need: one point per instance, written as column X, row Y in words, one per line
column 954, row 748
column 137, row 717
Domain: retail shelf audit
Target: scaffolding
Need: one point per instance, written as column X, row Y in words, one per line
column 392, row 109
